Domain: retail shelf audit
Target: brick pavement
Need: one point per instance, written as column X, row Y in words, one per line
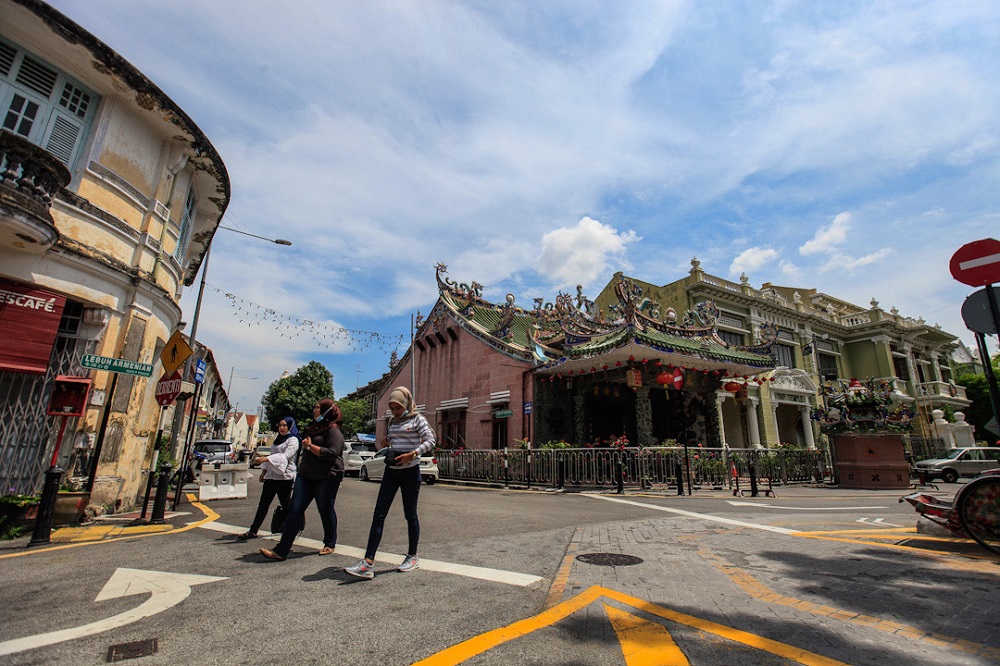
column 857, row 603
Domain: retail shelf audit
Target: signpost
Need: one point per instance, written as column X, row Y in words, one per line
column 678, row 379
column 977, row 264
column 120, row 365
column 175, row 352
column 168, row 388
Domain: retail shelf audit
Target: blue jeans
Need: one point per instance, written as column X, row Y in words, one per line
column 324, row 491
column 407, row 481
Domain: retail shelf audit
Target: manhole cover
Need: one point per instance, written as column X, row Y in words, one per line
column 609, row 559
column 124, row 651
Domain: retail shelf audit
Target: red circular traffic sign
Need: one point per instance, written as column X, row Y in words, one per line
column 678, row 379
column 168, row 388
column 977, row 264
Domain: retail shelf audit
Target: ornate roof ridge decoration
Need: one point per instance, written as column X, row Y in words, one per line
column 570, row 327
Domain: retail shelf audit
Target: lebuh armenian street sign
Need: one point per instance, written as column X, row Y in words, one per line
column 119, row 365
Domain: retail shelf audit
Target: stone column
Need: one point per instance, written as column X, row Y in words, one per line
column 579, row 418
column 643, row 417
column 752, row 426
column 807, row 427
column 720, row 397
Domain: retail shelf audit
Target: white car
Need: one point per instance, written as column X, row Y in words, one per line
column 373, row 468
column 355, row 454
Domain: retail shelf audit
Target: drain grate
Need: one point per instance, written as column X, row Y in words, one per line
column 609, row 559
column 133, row 650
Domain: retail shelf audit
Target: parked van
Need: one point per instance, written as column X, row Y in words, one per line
column 968, row 461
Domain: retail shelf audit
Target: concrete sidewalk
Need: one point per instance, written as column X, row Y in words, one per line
column 112, row 527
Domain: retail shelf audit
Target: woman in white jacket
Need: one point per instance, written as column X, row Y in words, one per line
column 279, row 473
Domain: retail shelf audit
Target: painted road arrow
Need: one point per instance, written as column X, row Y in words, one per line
column 166, row 589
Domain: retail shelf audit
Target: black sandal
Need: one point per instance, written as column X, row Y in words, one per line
column 247, row 535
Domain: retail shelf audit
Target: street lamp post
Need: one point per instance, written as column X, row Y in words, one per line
column 193, row 344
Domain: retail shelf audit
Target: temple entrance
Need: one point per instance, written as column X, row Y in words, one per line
column 670, row 419
column 610, row 412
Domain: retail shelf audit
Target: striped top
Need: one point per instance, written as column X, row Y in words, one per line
column 411, row 434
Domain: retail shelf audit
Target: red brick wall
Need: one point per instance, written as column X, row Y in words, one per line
column 463, row 367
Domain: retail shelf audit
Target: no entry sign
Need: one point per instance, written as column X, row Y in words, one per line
column 168, row 388
column 678, row 379
column 977, row 264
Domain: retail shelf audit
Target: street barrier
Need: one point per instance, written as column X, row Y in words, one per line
column 222, row 481
column 644, row 468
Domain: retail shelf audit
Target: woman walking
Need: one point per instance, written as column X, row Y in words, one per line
column 409, row 436
column 279, row 473
column 321, row 469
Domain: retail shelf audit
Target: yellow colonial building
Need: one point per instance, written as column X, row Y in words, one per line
column 109, row 197
column 820, row 338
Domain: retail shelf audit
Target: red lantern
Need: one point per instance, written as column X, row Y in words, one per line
column 664, row 378
column 733, row 387
column 618, row 364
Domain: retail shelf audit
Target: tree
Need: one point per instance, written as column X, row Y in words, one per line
column 294, row 395
column 980, row 411
column 357, row 416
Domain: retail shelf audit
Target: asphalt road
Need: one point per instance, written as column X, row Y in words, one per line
column 813, row 576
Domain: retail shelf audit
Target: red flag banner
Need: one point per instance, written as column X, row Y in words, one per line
column 29, row 322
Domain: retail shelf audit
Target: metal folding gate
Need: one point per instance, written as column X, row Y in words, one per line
column 27, row 434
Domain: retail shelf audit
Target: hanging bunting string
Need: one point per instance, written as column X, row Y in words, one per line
column 292, row 327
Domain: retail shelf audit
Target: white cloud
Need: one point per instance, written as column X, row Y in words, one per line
column 842, row 262
column 751, row 259
column 828, row 238
column 581, row 254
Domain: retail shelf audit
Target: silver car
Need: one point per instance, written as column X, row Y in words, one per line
column 373, row 468
column 968, row 461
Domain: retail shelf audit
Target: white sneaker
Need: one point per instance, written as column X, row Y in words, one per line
column 410, row 563
column 362, row 570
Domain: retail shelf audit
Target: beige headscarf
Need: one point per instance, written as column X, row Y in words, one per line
column 402, row 397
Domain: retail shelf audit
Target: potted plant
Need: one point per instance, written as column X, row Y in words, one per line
column 863, row 423
column 17, row 512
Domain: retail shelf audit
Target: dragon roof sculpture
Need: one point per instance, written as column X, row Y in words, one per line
column 569, row 329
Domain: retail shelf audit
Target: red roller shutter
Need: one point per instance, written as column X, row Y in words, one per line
column 29, row 322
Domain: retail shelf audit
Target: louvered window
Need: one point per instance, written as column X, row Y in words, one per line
column 43, row 104
column 187, row 221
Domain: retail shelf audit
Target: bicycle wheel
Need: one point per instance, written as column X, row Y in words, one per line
column 980, row 512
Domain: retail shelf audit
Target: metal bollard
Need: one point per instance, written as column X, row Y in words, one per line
column 753, row 479
column 149, row 490
column 46, row 507
column 680, row 479
column 561, row 478
column 621, row 475
column 160, row 503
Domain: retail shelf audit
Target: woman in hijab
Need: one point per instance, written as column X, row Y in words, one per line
column 321, row 469
column 279, row 473
column 409, row 436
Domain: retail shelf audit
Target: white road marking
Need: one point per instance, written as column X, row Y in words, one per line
column 166, row 589
column 702, row 516
column 480, row 573
column 805, row 508
column 877, row 521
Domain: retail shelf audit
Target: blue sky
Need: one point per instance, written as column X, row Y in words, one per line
column 850, row 147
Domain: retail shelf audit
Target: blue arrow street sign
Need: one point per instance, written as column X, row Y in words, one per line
column 199, row 371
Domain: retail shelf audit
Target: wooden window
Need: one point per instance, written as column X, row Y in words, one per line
column 43, row 104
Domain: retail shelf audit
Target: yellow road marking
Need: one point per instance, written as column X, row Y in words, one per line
column 644, row 643
column 209, row 517
column 476, row 645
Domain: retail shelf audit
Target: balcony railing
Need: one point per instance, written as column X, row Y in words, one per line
column 29, row 179
column 941, row 390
